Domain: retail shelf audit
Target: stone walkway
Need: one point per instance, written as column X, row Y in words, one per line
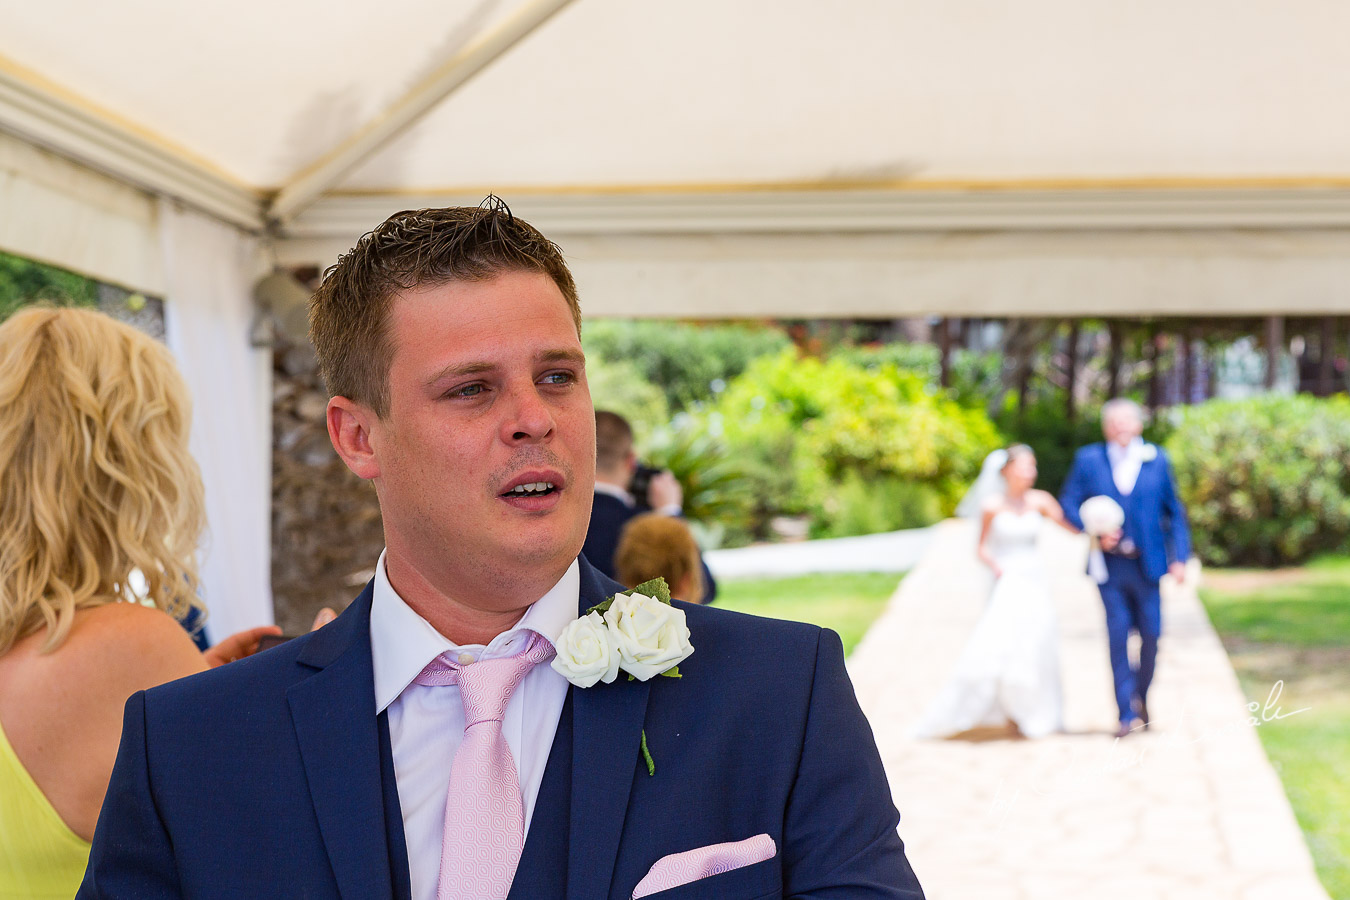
column 1190, row 809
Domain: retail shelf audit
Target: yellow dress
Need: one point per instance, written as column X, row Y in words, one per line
column 40, row 857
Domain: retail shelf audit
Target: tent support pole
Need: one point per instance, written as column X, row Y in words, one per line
column 306, row 187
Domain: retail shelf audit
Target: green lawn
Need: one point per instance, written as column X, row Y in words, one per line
column 1294, row 626
column 848, row 603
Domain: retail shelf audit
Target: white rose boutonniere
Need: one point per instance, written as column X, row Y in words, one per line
column 1149, row 453
column 587, row 653
column 637, row 631
column 651, row 635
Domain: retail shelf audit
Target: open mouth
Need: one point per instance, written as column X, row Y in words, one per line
column 532, row 489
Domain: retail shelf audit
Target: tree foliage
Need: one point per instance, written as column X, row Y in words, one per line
column 1266, row 479
column 23, row 281
column 815, row 435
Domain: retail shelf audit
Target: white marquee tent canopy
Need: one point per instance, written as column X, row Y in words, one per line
column 702, row 158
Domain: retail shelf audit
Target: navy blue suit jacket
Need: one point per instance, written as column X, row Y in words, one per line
column 271, row 777
column 1154, row 517
column 608, row 516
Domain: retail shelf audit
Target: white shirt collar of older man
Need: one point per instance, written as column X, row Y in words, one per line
column 1125, row 463
column 402, row 642
column 426, row 722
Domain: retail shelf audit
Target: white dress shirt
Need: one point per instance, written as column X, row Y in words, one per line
column 426, row 722
column 1125, row 464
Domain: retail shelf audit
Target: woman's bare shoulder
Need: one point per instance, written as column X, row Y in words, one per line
column 117, row 649
column 1043, row 499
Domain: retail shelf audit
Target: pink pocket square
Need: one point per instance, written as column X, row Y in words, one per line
column 682, row 868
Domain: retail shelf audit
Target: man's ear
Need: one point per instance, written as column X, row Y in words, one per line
column 349, row 428
column 631, row 463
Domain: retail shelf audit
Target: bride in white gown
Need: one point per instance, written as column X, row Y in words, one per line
column 1008, row 672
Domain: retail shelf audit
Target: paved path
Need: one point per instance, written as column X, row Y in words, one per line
column 1190, row 809
column 894, row 551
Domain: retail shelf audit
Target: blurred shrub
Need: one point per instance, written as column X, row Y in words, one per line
column 923, row 360
column 820, row 436
column 976, row 378
column 716, row 492
column 1266, row 479
column 23, row 281
column 860, row 506
column 618, row 387
column 689, row 363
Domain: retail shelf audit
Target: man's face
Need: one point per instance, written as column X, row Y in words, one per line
column 1122, row 426
column 488, row 395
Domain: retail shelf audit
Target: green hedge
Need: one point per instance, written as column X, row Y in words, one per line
column 23, row 281
column 857, row 447
column 1266, row 480
column 689, row 363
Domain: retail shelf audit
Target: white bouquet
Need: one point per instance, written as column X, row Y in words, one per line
column 1101, row 515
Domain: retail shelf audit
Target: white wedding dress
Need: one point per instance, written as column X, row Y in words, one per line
column 1009, row 668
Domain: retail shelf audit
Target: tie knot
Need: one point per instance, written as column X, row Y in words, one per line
column 486, row 686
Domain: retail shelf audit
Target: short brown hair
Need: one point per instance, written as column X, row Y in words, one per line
column 613, row 440
column 652, row 546
column 349, row 313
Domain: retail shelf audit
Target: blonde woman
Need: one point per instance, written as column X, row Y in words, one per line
column 653, row 545
column 95, row 484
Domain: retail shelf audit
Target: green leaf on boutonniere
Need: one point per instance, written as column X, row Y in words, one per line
column 657, row 588
column 672, row 672
column 600, row 608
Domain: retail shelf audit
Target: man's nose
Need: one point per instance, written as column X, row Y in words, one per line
column 530, row 418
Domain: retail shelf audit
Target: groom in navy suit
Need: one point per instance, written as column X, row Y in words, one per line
column 343, row 764
column 1155, row 540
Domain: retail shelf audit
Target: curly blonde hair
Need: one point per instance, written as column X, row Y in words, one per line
column 95, row 476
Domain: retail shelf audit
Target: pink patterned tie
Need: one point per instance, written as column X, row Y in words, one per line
column 484, row 814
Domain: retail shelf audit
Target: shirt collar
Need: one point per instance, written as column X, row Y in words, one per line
column 402, row 642
column 613, row 490
column 1133, row 450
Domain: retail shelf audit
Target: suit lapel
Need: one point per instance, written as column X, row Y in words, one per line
column 607, row 722
column 541, row 874
column 333, row 712
column 1109, row 478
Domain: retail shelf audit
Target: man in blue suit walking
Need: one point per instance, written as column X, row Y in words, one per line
column 1154, row 541
column 420, row 746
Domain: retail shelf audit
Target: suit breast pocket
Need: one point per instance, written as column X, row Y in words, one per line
column 759, row 881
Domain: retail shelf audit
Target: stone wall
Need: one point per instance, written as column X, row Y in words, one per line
column 326, row 530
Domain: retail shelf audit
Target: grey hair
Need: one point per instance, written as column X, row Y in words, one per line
column 1121, row 404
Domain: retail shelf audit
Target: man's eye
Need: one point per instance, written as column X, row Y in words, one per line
column 469, row 390
column 559, row 378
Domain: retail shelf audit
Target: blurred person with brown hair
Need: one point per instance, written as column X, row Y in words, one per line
column 655, row 546
column 96, row 485
column 616, row 464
